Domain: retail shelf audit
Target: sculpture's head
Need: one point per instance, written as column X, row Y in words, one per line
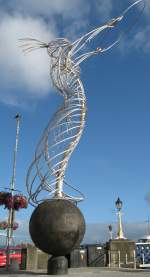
column 29, row 44
column 57, row 44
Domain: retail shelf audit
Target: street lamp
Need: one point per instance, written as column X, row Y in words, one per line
column 11, row 215
column 118, row 204
column 110, row 231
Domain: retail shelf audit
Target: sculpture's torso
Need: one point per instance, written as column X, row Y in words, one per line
column 64, row 130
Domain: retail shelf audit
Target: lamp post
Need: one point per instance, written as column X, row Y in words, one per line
column 118, row 204
column 148, row 225
column 110, row 231
column 11, row 214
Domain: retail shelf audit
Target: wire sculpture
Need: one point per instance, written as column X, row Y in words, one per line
column 61, row 136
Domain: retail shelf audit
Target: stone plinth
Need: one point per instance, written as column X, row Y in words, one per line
column 120, row 252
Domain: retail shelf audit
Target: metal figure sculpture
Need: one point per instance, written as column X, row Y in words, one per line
column 61, row 136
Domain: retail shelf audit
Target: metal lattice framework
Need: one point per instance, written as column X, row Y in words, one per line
column 61, row 136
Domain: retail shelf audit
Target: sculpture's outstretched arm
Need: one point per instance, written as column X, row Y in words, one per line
column 81, row 42
column 85, row 56
column 132, row 5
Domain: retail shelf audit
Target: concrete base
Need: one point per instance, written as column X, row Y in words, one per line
column 120, row 252
column 57, row 265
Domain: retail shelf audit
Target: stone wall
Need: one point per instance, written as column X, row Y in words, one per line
column 33, row 258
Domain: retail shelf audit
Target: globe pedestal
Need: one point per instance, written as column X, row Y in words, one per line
column 56, row 227
column 57, row 265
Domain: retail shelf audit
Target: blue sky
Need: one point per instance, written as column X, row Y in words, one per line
column 113, row 156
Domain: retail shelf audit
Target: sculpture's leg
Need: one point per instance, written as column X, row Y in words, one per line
column 57, row 265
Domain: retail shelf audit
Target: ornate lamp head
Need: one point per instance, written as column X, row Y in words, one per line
column 110, row 228
column 118, row 204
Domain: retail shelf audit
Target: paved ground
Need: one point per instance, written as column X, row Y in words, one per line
column 84, row 272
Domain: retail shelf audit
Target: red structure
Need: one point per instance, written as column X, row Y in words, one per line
column 14, row 253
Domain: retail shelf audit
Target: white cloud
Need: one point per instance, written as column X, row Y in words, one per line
column 104, row 8
column 141, row 40
column 135, row 29
column 147, row 197
column 95, row 233
column 22, row 233
column 109, row 8
column 27, row 77
column 19, row 235
column 27, row 73
column 65, row 8
column 78, row 28
column 98, row 232
column 147, row 7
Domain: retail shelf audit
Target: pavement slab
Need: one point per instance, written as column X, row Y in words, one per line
column 82, row 272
